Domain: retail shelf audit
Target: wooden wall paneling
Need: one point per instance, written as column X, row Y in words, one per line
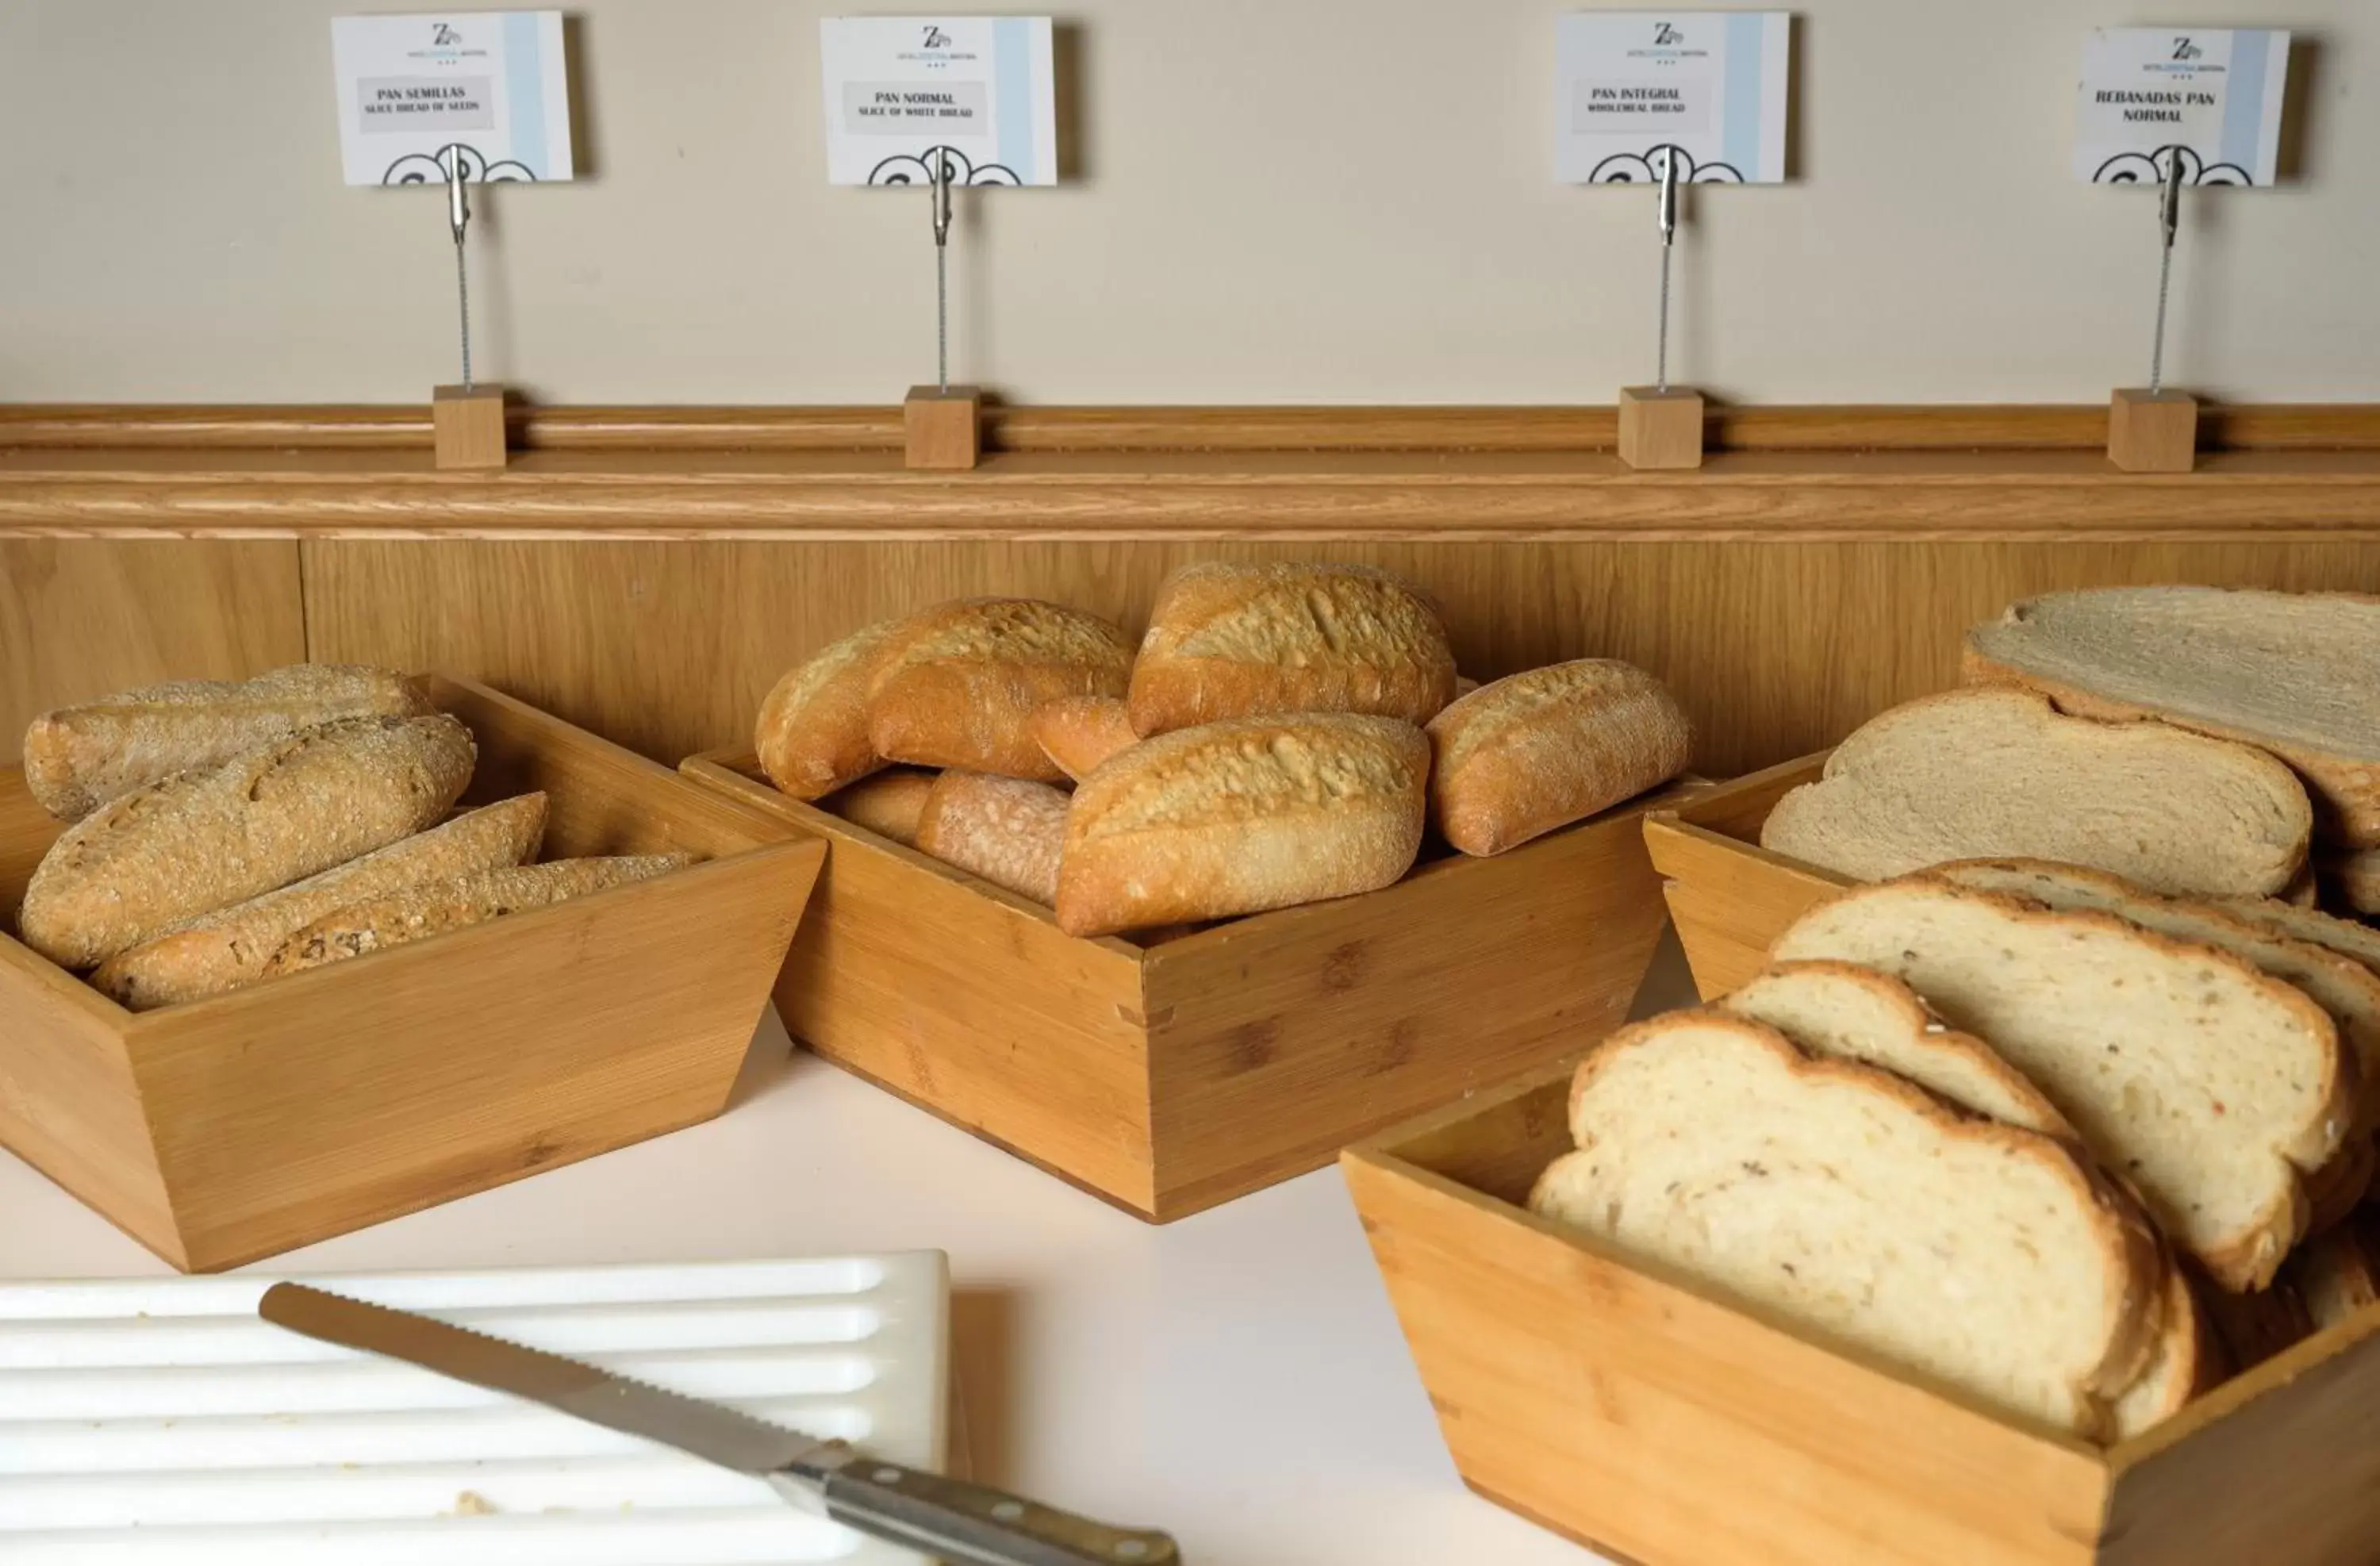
column 1777, row 648
column 80, row 617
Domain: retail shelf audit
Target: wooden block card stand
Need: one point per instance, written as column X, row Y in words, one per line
column 1660, row 427
column 2153, row 431
column 942, row 427
column 466, row 426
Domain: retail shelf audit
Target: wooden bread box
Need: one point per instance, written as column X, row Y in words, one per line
column 1730, row 898
column 1171, row 1076
column 225, row 1129
column 1647, row 1416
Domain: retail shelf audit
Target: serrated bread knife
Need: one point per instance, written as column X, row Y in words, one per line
column 962, row 1523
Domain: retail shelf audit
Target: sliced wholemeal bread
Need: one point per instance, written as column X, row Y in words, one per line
column 2348, row 938
column 1844, row 1198
column 211, row 837
column 2212, row 1087
column 1983, row 773
column 2188, row 1359
column 2252, row 1327
column 1860, row 1015
column 2339, row 1274
column 230, row 947
column 2294, row 674
column 78, row 759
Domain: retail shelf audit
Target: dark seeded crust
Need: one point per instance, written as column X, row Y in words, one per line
column 436, row 908
column 2130, row 1245
column 2249, row 1260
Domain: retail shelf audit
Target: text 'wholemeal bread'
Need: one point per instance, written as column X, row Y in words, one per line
column 1230, row 642
column 2294, row 674
column 1538, row 750
column 79, row 757
column 958, row 685
column 1005, row 830
column 229, row 947
column 206, row 839
column 2213, row 1088
column 1994, row 1259
column 1990, row 774
column 1243, row 815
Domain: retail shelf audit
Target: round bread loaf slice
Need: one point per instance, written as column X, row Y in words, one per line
column 229, row 947
column 1239, row 817
column 79, row 757
column 1081, row 732
column 2208, row 1086
column 1860, row 1015
column 1005, row 830
column 1227, row 640
column 204, row 840
column 889, row 803
column 1538, row 751
column 435, row 907
column 812, row 733
column 1991, row 774
column 959, row 683
column 2297, row 675
column 1840, row 1196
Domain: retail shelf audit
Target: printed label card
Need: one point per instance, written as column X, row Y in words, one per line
column 492, row 82
column 2208, row 97
column 979, row 87
column 1706, row 87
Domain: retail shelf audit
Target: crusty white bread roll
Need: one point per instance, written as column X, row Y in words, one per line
column 959, row 683
column 1083, row 731
column 79, row 757
column 888, row 803
column 206, row 839
column 1241, row 816
column 812, row 733
column 1008, row 831
column 1230, row 642
column 1538, row 751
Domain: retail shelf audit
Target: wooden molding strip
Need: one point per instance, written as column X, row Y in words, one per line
column 1942, row 428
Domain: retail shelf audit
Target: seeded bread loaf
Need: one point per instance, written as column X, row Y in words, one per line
column 2294, row 674
column 1234, row 641
column 1858, row 1013
column 958, row 685
column 888, row 803
column 1989, row 1258
column 435, row 907
column 1005, row 830
column 230, row 947
column 812, row 735
column 79, row 757
column 206, row 839
column 2210, row 1087
column 1986, row 773
column 1241, row 816
column 1538, row 751
column 1083, row 731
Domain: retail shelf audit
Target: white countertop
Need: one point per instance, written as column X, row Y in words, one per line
column 1236, row 1377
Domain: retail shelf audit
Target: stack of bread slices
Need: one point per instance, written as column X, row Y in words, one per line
column 2070, row 1107
column 224, row 834
column 1282, row 734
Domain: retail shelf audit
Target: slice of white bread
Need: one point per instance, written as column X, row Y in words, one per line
column 2348, row 938
column 1838, row 1196
column 1982, row 773
column 1860, row 1015
column 2341, row 986
column 2211, row 1087
column 1834, row 1009
column 2294, row 674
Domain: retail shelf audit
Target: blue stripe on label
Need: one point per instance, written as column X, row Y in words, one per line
column 1740, row 133
column 2243, row 98
column 1012, row 74
column 525, row 90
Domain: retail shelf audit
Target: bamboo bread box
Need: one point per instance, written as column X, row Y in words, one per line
column 1730, row 897
column 1167, row 1074
column 1650, row 1418
column 235, row 1126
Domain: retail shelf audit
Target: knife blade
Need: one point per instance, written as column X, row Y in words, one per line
column 961, row 1522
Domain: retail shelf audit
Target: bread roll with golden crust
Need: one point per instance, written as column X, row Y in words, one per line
column 959, row 683
column 1539, row 751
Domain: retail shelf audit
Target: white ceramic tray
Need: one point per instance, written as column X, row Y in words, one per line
column 159, row 1422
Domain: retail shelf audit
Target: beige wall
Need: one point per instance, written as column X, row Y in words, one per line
column 1288, row 201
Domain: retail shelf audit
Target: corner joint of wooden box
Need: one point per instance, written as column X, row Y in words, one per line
column 466, row 426
column 2152, row 432
column 1660, row 427
column 942, row 427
